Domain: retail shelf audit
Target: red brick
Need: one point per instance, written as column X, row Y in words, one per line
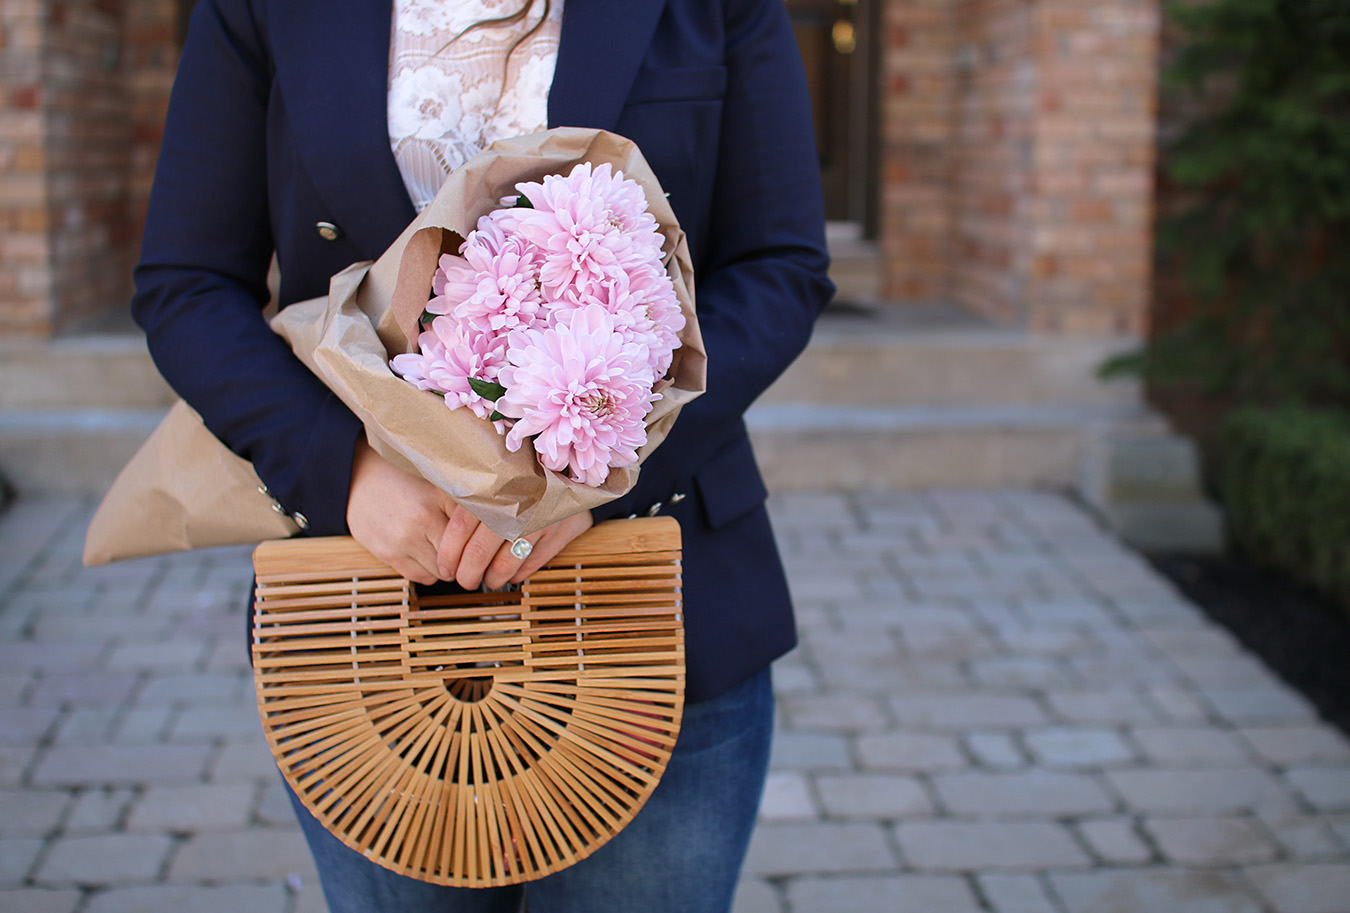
column 25, row 96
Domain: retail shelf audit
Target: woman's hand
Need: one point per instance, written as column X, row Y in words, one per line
column 472, row 554
column 420, row 532
column 398, row 517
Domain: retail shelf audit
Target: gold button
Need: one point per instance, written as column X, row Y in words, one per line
column 328, row 231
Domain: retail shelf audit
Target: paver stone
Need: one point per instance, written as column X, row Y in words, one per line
column 1211, row 841
column 892, row 893
column 1297, row 888
column 230, row 898
column 1152, row 891
column 795, row 849
column 39, row 900
column 104, row 859
column 976, row 846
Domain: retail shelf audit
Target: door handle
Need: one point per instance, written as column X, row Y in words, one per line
column 845, row 38
column 843, row 34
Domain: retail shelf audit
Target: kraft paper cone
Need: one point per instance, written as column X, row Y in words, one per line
column 184, row 489
column 370, row 315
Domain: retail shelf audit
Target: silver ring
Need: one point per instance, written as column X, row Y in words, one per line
column 521, row 548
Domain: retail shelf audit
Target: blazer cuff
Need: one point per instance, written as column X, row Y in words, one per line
column 324, row 470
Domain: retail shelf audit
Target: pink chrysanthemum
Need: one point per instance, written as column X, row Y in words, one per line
column 565, row 303
column 591, row 225
column 647, row 311
column 621, row 199
column 506, row 294
column 450, row 353
column 581, row 392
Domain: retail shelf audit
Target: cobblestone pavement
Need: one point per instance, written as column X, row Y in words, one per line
column 995, row 707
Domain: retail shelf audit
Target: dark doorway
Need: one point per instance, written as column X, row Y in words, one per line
column 838, row 40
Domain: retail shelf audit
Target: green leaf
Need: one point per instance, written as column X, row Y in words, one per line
column 522, row 202
column 1253, row 238
column 487, row 389
column 426, row 318
column 496, row 416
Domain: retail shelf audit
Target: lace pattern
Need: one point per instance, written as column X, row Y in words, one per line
column 451, row 97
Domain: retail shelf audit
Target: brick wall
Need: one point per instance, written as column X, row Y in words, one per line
column 1016, row 156
column 994, row 141
column 24, row 243
column 1018, row 145
column 88, row 133
column 917, row 75
column 153, row 37
column 87, row 83
column 1091, row 219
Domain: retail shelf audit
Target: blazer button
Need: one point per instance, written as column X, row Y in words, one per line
column 328, row 231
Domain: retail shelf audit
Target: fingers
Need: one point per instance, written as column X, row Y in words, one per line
column 472, row 555
column 547, row 543
column 481, row 553
column 505, row 567
column 466, row 549
column 397, row 517
column 416, row 529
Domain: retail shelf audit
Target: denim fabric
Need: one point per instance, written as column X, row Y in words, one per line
column 682, row 853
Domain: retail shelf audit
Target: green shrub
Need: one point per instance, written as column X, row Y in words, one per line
column 1286, row 486
column 1259, row 230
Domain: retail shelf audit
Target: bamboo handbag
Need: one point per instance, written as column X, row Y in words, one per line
column 474, row 739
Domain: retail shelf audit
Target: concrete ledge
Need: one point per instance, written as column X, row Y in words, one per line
column 89, row 372
column 1145, row 484
column 804, row 446
column 953, row 458
column 884, row 360
column 70, row 451
column 1191, row 526
column 768, row 416
column 900, row 396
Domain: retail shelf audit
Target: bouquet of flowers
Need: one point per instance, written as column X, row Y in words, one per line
column 566, row 322
column 557, row 321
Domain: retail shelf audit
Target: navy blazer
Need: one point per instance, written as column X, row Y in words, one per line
column 277, row 122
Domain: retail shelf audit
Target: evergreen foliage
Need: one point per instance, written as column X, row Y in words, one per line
column 1262, row 235
column 1287, row 487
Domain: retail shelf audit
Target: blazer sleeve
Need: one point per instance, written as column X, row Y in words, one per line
column 765, row 279
column 201, row 281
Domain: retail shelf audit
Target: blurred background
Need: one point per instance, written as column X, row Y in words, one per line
column 1094, row 275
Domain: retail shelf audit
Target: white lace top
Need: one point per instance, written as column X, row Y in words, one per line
column 450, row 97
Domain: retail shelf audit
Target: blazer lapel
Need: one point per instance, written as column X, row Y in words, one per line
column 332, row 59
column 602, row 45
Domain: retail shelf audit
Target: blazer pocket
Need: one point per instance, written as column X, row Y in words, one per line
column 729, row 485
column 678, row 84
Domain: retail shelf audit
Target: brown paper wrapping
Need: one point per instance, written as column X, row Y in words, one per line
column 184, row 489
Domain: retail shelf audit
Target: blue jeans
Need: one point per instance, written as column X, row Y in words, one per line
column 682, row 853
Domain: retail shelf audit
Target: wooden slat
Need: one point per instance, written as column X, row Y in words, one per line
column 568, row 695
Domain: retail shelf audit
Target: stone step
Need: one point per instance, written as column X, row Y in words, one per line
column 102, row 371
column 70, row 451
column 924, row 355
column 855, row 263
column 807, row 446
column 900, row 396
column 74, row 410
column 907, row 355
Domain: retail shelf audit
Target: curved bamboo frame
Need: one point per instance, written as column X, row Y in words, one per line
column 474, row 739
